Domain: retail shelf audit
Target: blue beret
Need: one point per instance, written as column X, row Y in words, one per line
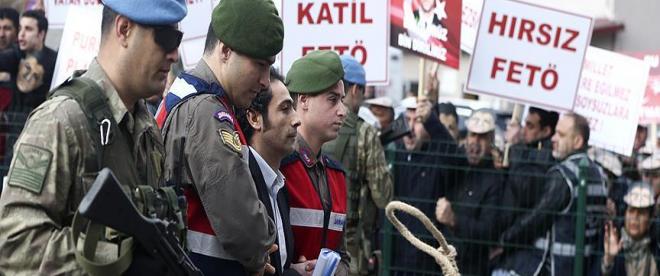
column 150, row 12
column 353, row 70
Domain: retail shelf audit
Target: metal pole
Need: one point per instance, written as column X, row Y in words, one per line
column 580, row 218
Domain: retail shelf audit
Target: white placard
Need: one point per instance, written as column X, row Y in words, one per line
column 610, row 96
column 80, row 42
column 529, row 53
column 470, row 23
column 57, row 10
column 358, row 28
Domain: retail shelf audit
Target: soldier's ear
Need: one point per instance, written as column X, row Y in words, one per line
column 303, row 102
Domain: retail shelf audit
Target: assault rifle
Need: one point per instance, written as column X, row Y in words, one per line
column 107, row 204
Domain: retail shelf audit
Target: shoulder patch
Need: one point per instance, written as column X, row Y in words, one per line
column 224, row 116
column 230, row 139
column 30, row 168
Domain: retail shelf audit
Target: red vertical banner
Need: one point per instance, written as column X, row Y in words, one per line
column 651, row 102
column 429, row 28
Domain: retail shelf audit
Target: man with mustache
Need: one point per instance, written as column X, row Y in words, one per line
column 316, row 183
column 470, row 209
column 97, row 119
column 230, row 232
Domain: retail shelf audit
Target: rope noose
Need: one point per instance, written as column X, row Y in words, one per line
column 445, row 255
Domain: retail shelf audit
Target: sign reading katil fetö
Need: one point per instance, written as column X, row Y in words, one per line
column 529, row 53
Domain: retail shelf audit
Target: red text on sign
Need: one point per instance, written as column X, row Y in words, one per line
column 358, row 51
column 514, row 70
column 333, row 13
column 532, row 32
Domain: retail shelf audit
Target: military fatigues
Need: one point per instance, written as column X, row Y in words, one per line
column 50, row 175
column 206, row 157
column 369, row 185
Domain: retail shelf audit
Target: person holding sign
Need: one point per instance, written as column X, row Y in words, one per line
column 61, row 150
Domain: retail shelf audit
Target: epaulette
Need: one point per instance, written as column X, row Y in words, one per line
column 293, row 157
column 331, row 163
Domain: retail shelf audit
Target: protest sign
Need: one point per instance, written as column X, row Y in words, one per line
column 651, row 102
column 529, row 53
column 429, row 28
column 57, row 11
column 470, row 23
column 610, row 94
column 80, row 41
column 357, row 28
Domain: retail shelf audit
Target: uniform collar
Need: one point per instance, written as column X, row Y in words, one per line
column 306, row 153
column 96, row 73
column 136, row 121
column 351, row 120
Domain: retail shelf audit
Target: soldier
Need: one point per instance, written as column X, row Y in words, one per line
column 316, row 183
column 230, row 232
column 369, row 180
column 61, row 150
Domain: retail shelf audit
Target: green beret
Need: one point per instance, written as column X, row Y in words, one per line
column 250, row 27
column 315, row 72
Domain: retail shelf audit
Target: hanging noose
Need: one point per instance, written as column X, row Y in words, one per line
column 445, row 255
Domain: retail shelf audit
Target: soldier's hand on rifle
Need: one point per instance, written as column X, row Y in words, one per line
column 304, row 267
column 444, row 213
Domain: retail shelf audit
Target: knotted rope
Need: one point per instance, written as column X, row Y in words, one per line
column 445, row 255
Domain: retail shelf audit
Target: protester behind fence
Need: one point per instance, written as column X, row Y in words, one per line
column 449, row 118
column 469, row 211
column 630, row 163
column 418, row 181
column 650, row 171
column 8, row 33
column 31, row 67
column 382, row 108
column 633, row 252
column 545, row 236
column 528, row 163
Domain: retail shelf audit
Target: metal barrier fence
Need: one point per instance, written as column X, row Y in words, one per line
column 464, row 194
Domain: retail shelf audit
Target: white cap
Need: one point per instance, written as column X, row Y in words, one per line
column 381, row 101
column 409, row 103
column 606, row 159
column 640, row 195
column 481, row 122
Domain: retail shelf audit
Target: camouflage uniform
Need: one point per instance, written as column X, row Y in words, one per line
column 369, row 181
column 49, row 177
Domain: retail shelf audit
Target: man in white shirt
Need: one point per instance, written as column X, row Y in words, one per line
column 270, row 125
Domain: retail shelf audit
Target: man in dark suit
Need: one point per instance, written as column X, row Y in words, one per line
column 270, row 125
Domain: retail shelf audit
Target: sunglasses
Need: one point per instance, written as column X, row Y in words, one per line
column 167, row 38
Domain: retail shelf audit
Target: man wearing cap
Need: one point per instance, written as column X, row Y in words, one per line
column 316, row 183
column 418, row 172
column 634, row 252
column 543, row 239
column 230, row 232
column 369, row 180
column 382, row 108
column 469, row 211
column 650, row 170
column 61, row 150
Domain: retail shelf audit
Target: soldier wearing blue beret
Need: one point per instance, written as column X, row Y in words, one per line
column 94, row 120
column 230, row 231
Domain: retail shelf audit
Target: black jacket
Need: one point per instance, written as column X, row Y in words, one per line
column 283, row 205
column 475, row 197
column 418, row 181
column 525, row 179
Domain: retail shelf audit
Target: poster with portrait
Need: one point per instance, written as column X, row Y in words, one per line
column 429, row 28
